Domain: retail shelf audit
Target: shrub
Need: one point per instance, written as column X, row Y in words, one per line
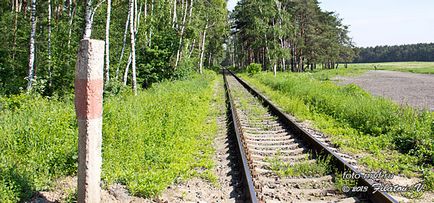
column 253, row 68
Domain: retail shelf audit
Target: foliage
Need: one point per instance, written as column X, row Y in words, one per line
column 149, row 141
column 293, row 35
column 397, row 53
column 253, row 68
column 158, row 39
column 428, row 177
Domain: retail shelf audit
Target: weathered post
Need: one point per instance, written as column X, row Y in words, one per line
column 88, row 106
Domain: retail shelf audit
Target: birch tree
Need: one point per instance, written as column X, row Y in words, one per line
column 133, row 46
column 202, row 49
column 88, row 20
column 49, row 44
column 31, row 75
column 107, row 43
column 124, row 42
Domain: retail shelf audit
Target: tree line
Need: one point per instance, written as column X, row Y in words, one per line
column 146, row 41
column 410, row 52
column 291, row 35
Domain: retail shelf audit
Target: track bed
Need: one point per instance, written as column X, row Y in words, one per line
column 271, row 147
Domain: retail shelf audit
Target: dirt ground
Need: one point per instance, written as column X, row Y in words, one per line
column 416, row 90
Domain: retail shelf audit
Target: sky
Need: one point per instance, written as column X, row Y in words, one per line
column 383, row 22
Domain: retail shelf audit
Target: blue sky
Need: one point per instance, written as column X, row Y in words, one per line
column 383, row 22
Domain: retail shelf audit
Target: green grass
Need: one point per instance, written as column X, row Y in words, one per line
column 413, row 67
column 150, row 141
column 360, row 68
column 319, row 167
column 387, row 136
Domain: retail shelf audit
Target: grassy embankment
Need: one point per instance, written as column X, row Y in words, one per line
column 388, row 137
column 149, row 141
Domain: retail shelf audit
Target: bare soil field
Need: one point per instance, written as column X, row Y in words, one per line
column 416, row 90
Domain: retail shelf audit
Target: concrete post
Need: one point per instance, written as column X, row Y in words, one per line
column 88, row 106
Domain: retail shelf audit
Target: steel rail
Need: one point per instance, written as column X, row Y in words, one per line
column 247, row 179
column 317, row 146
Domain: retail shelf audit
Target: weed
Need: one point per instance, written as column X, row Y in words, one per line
column 341, row 182
column 320, row 167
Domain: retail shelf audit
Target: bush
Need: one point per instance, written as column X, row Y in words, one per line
column 233, row 68
column 253, row 68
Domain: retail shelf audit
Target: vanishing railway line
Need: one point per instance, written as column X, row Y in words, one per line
column 267, row 138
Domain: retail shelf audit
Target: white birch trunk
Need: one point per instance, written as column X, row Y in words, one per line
column 135, row 16
column 107, row 43
column 133, row 47
column 31, row 76
column 202, row 49
column 16, row 10
column 178, row 54
column 174, row 14
column 192, row 48
column 123, row 44
column 126, row 70
column 71, row 21
column 49, row 43
column 190, row 13
column 88, row 20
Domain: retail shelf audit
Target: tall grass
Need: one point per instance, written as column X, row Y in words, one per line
column 387, row 136
column 410, row 130
column 149, row 141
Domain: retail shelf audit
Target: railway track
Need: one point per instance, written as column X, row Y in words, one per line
column 281, row 162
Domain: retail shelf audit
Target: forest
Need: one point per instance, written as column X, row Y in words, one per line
column 162, row 39
column 153, row 39
column 411, row 52
column 288, row 35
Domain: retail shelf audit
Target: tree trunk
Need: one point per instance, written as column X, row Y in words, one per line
column 126, row 70
column 150, row 28
column 202, row 49
column 49, row 44
column 192, row 48
column 107, row 43
column 31, row 76
column 133, row 47
column 275, row 69
column 191, row 11
column 88, row 20
column 174, row 14
column 123, row 45
column 72, row 10
column 16, row 10
column 178, row 53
